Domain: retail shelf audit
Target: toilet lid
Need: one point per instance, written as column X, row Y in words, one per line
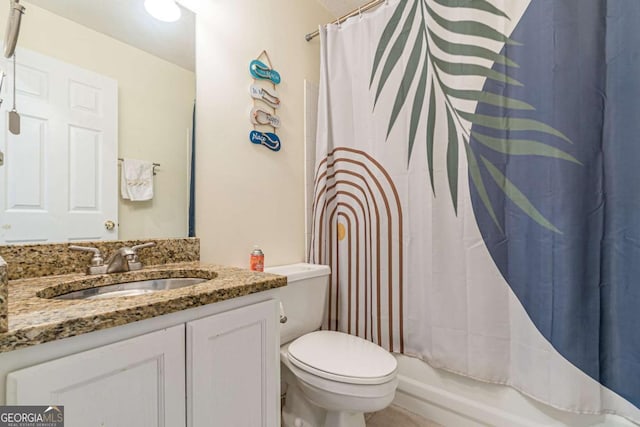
column 342, row 357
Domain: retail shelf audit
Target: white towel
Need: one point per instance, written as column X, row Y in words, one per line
column 136, row 182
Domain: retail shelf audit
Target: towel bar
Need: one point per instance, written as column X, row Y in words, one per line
column 155, row 165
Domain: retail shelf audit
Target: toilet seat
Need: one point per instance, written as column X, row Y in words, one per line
column 342, row 358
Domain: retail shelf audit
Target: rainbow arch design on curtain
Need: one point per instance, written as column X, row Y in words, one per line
column 357, row 229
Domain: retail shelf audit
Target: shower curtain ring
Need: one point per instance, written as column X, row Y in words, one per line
column 360, row 12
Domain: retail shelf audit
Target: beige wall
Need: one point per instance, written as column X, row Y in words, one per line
column 155, row 111
column 247, row 194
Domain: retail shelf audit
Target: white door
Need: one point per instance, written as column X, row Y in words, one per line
column 233, row 368
column 59, row 179
column 138, row 382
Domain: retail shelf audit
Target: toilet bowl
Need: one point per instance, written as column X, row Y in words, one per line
column 331, row 378
column 342, row 375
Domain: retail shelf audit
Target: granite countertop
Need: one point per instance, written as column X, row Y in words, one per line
column 34, row 319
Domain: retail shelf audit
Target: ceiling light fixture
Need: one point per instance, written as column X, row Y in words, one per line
column 163, row 10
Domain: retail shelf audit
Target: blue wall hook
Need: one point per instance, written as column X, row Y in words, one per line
column 260, row 70
column 268, row 139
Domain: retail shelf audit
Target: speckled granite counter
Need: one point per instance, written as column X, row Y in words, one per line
column 50, row 259
column 34, row 320
column 3, row 296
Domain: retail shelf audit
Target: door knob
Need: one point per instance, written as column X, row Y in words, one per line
column 109, row 225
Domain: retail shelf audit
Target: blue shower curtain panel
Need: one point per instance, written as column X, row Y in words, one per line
column 580, row 65
column 477, row 191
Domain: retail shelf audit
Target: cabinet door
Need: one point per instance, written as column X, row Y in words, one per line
column 233, row 368
column 138, row 382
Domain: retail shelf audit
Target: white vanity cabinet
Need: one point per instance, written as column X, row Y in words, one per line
column 215, row 365
column 136, row 382
column 234, row 348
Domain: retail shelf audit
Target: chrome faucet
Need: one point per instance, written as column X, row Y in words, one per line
column 119, row 261
column 124, row 259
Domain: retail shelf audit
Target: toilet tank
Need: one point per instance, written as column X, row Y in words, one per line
column 303, row 299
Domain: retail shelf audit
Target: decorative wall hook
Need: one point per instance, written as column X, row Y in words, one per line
column 259, row 70
column 261, row 117
column 270, row 97
column 264, row 99
column 268, row 139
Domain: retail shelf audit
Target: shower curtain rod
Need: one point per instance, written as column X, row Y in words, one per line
column 343, row 18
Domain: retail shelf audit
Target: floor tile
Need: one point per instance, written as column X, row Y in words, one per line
column 394, row 416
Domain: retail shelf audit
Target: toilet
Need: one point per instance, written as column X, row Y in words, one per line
column 331, row 378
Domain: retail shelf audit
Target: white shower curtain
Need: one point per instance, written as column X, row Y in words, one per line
column 410, row 269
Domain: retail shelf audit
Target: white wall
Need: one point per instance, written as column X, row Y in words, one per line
column 245, row 193
column 155, row 110
column 311, row 93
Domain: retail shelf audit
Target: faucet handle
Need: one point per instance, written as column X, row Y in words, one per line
column 84, row 249
column 143, row 245
column 134, row 262
column 96, row 260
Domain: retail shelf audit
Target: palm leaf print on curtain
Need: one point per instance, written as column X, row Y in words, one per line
column 507, row 131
